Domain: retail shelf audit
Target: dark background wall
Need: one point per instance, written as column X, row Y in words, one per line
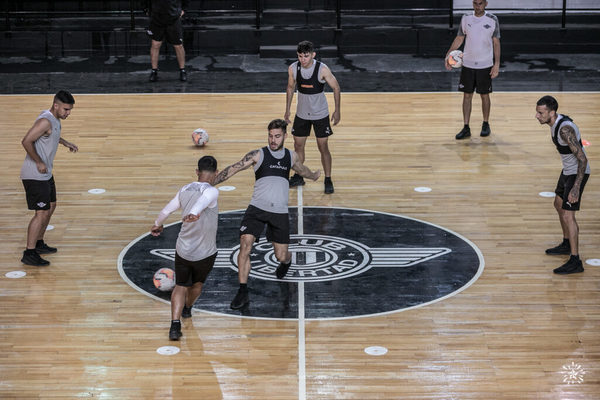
column 42, row 29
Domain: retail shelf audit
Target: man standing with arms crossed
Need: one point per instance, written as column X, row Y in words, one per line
column 310, row 75
column 269, row 203
column 196, row 247
column 481, row 62
column 41, row 143
column 573, row 177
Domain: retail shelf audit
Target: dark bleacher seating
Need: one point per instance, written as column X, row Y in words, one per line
column 36, row 28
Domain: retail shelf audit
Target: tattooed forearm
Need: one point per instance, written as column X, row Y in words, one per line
column 304, row 171
column 568, row 135
column 222, row 176
column 233, row 169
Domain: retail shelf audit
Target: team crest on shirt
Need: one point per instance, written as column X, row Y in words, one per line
column 350, row 262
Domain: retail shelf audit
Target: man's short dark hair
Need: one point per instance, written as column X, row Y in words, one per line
column 64, row 97
column 277, row 124
column 207, row 163
column 550, row 103
column 305, row 47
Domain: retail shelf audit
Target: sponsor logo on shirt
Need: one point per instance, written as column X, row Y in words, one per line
column 278, row 166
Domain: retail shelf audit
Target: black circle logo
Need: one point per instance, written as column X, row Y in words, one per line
column 345, row 263
column 315, row 258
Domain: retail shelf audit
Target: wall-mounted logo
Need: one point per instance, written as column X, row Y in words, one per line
column 351, row 263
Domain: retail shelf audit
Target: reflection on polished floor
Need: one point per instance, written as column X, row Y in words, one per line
column 77, row 329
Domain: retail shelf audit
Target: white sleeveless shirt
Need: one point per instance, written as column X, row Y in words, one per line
column 46, row 147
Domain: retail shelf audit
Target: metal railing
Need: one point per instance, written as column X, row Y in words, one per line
column 136, row 11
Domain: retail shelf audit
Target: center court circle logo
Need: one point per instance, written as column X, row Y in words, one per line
column 350, row 263
column 315, row 258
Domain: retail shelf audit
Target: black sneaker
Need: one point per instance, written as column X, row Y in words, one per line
column 282, row 270
column 572, row 266
column 187, row 312
column 561, row 249
column 43, row 248
column 464, row 133
column 33, row 258
column 328, row 186
column 296, row 180
column 240, row 300
column 485, row 129
column 175, row 332
column 153, row 75
column 182, row 75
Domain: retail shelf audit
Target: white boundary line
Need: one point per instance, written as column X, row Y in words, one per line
column 238, row 93
column 301, row 319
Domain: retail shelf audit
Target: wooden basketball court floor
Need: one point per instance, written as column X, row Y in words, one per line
column 76, row 329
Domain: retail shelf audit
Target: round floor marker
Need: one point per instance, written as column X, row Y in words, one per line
column 226, row 188
column 376, row 350
column 585, row 143
column 593, row 261
column 49, row 227
column 15, row 274
column 96, row 191
column 422, row 189
column 547, row 194
column 167, row 350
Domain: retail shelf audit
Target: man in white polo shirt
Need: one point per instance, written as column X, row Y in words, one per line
column 481, row 62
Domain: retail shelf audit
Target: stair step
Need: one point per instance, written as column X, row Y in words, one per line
column 290, row 51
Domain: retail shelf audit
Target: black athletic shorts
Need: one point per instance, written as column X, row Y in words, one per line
column 475, row 78
column 564, row 186
column 40, row 194
column 189, row 272
column 171, row 29
column 278, row 225
column 322, row 127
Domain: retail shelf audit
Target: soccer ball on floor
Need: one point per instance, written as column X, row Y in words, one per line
column 455, row 58
column 200, row 137
column 164, row 279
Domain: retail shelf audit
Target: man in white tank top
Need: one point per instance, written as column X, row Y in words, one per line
column 41, row 143
column 481, row 62
column 196, row 247
column 269, row 204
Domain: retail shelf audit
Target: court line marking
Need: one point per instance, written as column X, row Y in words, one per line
column 301, row 315
column 282, row 93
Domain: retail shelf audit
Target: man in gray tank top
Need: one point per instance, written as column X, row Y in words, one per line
column 571, row 182
column 196, row 247
column 41, row 143
column 310, row 76
column 269, row 204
